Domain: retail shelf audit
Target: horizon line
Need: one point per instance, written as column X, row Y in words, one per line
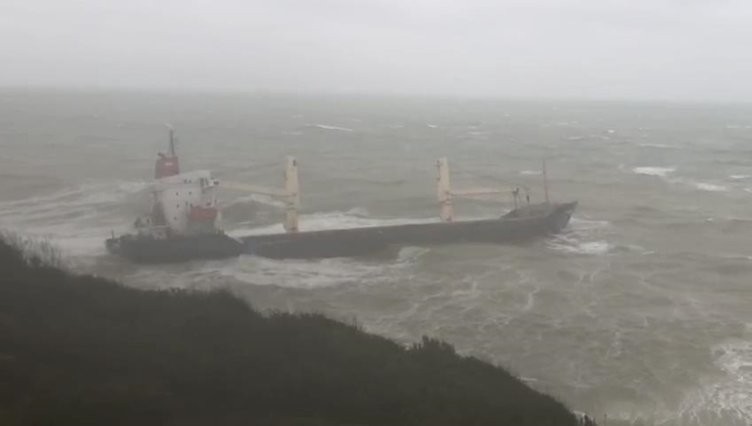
column 192, row 90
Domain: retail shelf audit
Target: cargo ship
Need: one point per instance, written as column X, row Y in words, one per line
column 184, row 222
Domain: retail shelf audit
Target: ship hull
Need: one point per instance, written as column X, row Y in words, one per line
column 144, row 249
column 519, row 225
column 541, row 220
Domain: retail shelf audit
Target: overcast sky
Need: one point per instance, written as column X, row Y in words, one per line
column 644, row 49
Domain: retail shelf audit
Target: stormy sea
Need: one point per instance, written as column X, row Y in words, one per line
column 640, row 312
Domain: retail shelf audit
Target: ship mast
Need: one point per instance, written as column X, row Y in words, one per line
column 172, row 141
column 168, row 164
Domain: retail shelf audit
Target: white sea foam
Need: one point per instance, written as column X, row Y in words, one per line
column 309, row 274
column 591, row 248
column 313, row 274
column 85, row 194
column 82, row 205
column 72, row 240
column 654, row 171
column 563, row 124
column 655, row 145
column 331, row 127
column 584, row 236
column 358, row 212
column 257, row 198
column 727, row 400
column 573, row 245
column 411, row 254
column 75, row 219
column 711, row 187
column 582, row 224
column 431, row 126
column 740, row 177
column 531, row 172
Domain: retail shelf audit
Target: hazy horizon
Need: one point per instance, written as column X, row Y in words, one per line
column 665, row 50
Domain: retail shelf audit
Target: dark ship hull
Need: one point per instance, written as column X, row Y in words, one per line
column 147, row 249
column 518, row 225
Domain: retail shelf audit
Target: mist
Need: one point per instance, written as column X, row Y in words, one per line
column 591, row 49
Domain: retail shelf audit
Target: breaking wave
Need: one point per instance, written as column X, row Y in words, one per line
column 574, row 246
column 584, row 236
column 317, row 273
column 331, row 127
column 710, row 187
column 726, row 400
column 654, row 171
column 655, row 145
column 739, row 177
column 77, row 219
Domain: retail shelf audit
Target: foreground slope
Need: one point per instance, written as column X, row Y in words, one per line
column 77, row 350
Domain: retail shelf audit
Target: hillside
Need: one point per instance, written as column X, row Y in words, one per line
column 80, row 350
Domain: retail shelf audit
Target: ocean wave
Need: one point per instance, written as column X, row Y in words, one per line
column 239, row 213
column 83, row 203
column 583, row 236
column 655, row 145
column 573, row 245
column 710, row 187
column 361, row 212
column 71, row 241
column 735, row 224
column 739, row 177
column 87, row 193
column 266, row 200
column 564, row 123
column 654, row 171
column 583, row 224
column 305, row 274
column 77, row 219
column 331, row 127
column 315, row 274
column 727, row 400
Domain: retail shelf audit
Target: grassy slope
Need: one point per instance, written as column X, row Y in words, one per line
column 77, row 350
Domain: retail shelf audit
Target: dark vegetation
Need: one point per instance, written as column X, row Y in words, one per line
column 81, row 350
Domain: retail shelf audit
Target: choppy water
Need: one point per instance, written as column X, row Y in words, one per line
column 640, row 311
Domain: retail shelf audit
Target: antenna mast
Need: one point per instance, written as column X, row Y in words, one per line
column 172, row 141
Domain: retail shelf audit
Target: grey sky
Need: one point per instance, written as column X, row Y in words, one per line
column 665, row 49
